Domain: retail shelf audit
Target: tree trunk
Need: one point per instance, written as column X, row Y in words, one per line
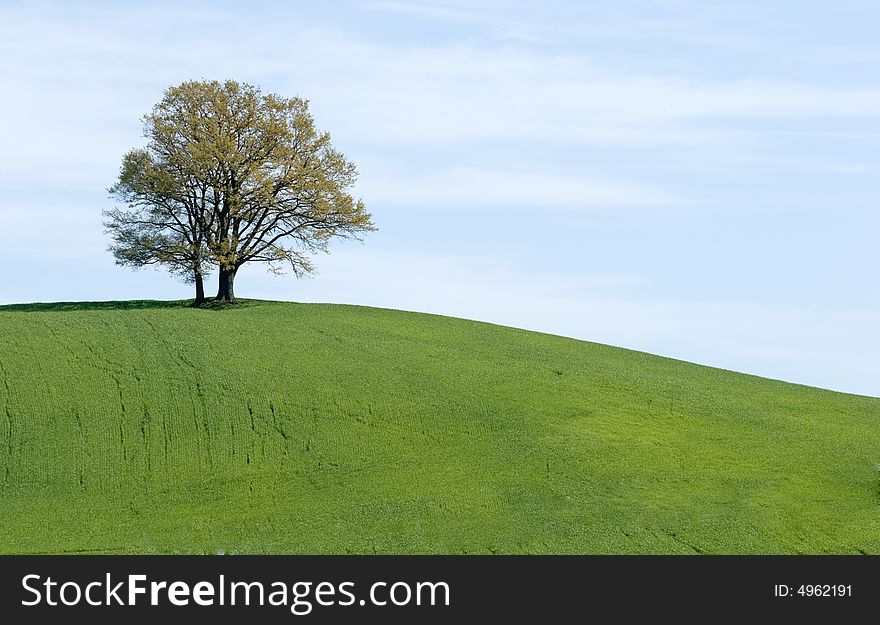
column 226, row 293
column 200, row 287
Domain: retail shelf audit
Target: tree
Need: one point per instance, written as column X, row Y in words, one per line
column 163, row 224
column 261, row 183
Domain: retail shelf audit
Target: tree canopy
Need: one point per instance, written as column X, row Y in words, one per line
column 232, row 176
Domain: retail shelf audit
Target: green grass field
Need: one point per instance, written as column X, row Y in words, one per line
column 150, row 427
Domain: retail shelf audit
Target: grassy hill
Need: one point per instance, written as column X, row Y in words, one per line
column 302, row 428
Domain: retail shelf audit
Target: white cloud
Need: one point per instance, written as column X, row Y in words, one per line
column 89, row 75
column 458, row 12
column 462, row 188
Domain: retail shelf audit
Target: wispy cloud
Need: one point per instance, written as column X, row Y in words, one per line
column 455, row 11
column 460, row 188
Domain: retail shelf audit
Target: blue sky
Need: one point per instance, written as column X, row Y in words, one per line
column 693, row 179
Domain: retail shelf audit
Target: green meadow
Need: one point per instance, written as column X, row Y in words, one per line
column 151, row 427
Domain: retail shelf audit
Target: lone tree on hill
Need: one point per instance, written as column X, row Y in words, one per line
column 231, row 176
